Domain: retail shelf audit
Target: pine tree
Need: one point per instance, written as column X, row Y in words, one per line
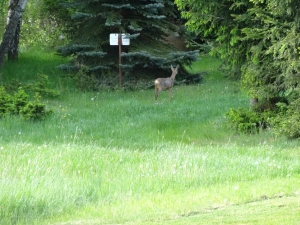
column 145, row 22
column 260, row 41
column 272, row 69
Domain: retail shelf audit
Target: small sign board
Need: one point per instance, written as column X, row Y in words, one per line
column 113, row 39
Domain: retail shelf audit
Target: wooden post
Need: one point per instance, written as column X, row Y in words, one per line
column 120, row 58
column 117, row 39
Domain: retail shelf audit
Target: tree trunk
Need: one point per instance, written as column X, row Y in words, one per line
column 9, row 40
column 13, row 50
column 253, row 102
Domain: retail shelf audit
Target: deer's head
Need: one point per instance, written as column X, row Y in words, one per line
column 174, row 71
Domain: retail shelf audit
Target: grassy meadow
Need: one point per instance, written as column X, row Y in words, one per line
column 115, row 157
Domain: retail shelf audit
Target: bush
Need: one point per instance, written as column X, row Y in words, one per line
column 19, row 104
column 40, row 86
column 5, row 102
column 86, row 81
column 19, row 100
column 35, row 110
column 245, row 121
column 287, row 122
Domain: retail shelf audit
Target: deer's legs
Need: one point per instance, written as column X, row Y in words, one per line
column 170, row 93
column 156, row 94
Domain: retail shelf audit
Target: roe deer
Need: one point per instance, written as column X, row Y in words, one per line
column 162, row 84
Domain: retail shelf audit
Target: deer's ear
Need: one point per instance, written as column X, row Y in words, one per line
column 177, row 66
column 172, row 67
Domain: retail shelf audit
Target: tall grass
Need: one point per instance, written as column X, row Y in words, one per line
column 116, row 157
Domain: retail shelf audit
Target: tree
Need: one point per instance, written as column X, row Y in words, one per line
column 41, row 27
column 260, row 42
column 272, row 68
column 213, row 22
column 146, row 23
column 10, row 39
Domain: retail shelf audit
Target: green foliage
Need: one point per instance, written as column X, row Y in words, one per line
column 146, row 24
column 3, row 14
column 18, row 104
column 249, row 121
column 20, row 99
column 243, row 120
column 42, row 32
column 41, row 27
column 35, row 110
column 258, row 41
column 287, row 122
column 5, row 102
column 85, row 81
column 41, row 86
column 214, row 23
column 273, row 59
column 143, row 64
column 261, row 116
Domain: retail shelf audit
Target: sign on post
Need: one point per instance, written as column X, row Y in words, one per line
column 119, row 39
column 113, row 39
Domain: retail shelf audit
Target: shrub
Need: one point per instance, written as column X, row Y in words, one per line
column 40, row 86
column 5, row 102
column 19, row 100
column 287, row 122
column 19, row 104
column 242, row 120
column 246, row 121
column 86, row 81
column 35, row 110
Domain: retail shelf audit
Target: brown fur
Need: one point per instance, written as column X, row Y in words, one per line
column 162, row 84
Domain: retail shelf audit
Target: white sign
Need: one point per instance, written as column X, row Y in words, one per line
column 113, row 39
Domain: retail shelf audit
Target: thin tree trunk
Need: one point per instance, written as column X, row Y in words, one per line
column 253, row 102
column 13, row 50
column 16, row 9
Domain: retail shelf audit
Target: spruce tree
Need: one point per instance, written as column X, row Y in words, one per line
column 260, row 42
column 145, row 22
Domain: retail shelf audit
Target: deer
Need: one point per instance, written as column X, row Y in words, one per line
column 162, row 84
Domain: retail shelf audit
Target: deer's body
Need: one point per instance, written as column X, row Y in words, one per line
column 162, row 84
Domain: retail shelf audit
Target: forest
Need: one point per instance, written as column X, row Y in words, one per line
column 88, row 137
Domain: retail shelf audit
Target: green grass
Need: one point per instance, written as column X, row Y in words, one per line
column 115, row 157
